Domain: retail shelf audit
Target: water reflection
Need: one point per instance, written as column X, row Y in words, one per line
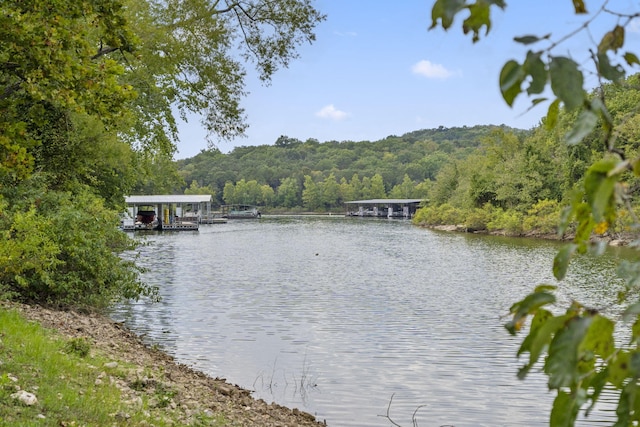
column 335, row 316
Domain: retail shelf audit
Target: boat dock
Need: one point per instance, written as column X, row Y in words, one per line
column 383, row 208
column 167, row 212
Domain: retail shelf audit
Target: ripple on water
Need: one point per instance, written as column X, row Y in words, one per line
column 335, row 316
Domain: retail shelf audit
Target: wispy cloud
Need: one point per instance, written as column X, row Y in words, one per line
column 430, row 70
column 634, row 26
column 332, row 113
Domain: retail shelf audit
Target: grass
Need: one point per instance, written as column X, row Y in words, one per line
column 68, row 379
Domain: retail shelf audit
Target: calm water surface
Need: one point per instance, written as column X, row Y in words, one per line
column 340, row 316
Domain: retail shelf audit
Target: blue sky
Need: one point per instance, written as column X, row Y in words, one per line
column 376, row 70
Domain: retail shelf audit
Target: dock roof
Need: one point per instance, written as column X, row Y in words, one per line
column 384, row 201
column 168, row 198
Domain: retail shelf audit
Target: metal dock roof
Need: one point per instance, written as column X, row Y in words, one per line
column 168, row 198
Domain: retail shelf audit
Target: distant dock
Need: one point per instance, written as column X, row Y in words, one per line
column 384, row 208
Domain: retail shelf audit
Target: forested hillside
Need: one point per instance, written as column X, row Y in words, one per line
column 318, row 176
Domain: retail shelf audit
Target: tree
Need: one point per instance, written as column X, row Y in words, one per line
column 289, row 193
column 405, row 190
column 311, row 194
column 577, row 347
column 377, row 187
column 88, row 91
column 330, row 191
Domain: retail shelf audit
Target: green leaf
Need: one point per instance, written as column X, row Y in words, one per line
column 567, row 81
column 545, row 288
column 562, row 362
column 631, row 312
column 561, row 260
column 540, row 319
column 565, row 410
column 552, row 115
column 599, row 339
column 511, row 77
column 631, row 58
column 587, row 121
column 479, row 16
column 445, row 11
column 608, row 71
column 528, row 305
column 613, row 40
column 597, row 384
column 619, row 368
column 541, row 336
column 599, row 186
column 530, row 39
column 535, row 67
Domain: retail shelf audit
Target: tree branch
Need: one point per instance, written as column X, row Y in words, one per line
column 104, row 51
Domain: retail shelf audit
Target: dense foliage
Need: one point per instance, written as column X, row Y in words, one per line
column 575, row 345
column 88, row 91
column 321, row 176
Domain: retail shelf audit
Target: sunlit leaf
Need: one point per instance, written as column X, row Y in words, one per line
column 599, row 187
column 562, row 362
column 619, row 368
column 545, row 288
column 511, row 78
column 567, row 81
column 587, row 121
column 479, row 16
column 561, row 260
column 552, row 115
column 599, row 338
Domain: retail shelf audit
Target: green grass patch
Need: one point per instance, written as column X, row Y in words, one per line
column 62, row 373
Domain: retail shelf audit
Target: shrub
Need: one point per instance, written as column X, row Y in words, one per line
column 509, row 222
column 543, row 217
column 64, row 250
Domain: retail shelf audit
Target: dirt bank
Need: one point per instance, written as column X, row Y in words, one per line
column 196, row 393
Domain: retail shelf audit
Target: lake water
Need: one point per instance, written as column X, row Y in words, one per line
column 353, row 320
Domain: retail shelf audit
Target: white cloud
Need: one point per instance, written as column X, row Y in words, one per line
column 634, row 26
column 330, row 112
column 432, row 71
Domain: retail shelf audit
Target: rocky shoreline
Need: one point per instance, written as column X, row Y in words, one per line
column 195, row 392
column 611, row 240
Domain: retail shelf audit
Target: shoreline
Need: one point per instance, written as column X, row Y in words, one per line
column 618, row 240
column 196, row 392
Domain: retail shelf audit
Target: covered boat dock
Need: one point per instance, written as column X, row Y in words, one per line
column 169, row 212
column 384, row 208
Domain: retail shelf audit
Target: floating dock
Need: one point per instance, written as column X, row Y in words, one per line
column 170, row 212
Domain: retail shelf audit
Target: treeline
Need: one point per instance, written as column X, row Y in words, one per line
column 521, row 184
column 322, row 176
column 480, row 177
